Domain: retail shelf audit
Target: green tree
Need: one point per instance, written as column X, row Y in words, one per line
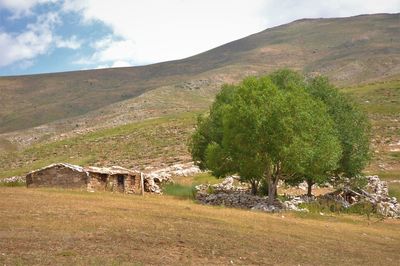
column 351, row 123
column 206, row 144
column 266, row 129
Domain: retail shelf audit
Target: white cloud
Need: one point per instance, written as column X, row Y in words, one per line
column 153, row 31
column 71, row 43
column 156, row 30
column 115, row 64
column 37, row 39
column 22, row 7
column 26, row 45
column 115, row 51
column 284, row 11
column 121, row 64
column 102, row 66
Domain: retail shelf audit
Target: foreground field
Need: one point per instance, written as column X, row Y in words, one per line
column 50, row 227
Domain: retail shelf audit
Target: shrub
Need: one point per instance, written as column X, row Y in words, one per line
column 180, row 191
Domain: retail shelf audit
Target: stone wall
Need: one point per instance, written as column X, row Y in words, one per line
column 97, row 182
column 57, row 176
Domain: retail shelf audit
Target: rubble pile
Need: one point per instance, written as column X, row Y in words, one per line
column 13, row 180
column 292, row 204
column 227, row 194
column 153, row 180
column 376, row 192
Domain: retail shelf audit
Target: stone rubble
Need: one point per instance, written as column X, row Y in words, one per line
column 375, row 192
column 13, row 179
column 226, row 193
column 155, row 179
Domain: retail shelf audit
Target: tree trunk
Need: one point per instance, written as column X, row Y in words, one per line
column 309, row 188
column 254, row 187
column 271, row 191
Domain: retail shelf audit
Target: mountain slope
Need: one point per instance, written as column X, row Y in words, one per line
column 349, row 50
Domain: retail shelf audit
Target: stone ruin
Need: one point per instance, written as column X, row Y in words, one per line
column 155, row 178
column 376, row 192
column 64, row 175
column 227, row 194
column 114, row 178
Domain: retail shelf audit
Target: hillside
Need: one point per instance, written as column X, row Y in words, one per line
column 351, row 50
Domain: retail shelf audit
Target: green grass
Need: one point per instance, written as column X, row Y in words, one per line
column 134, row 145
column 12, row 184
column 394, row 190
column 179, row 191
column 205, row 178
column 380, row 98
column 389, row 175
column 184, row 185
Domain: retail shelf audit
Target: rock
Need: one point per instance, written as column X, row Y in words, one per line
column 227, row 194
column 154, row 179
column 13, row 179
column 376, row 192
column 266, row 208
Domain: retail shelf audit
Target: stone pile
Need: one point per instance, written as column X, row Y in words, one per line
column 13, row 179
column 237, row 199
column 376, row 192
column 289, row 205
column 154, row 179
column 227, row 194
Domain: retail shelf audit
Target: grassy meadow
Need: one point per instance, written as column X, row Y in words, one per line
column 137, row 145
column 64, row 227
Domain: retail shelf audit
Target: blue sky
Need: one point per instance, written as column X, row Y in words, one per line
column 41, row 36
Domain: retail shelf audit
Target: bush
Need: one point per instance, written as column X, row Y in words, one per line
column 362, row 207
column 180, row 191
column 263, row 188
column 323, row 205
column 331, row 206
column 12, row 184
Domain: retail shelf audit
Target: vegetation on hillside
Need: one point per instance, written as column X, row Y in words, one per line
column 138, row 145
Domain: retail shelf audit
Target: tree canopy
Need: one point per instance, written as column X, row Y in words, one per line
column 271, row 128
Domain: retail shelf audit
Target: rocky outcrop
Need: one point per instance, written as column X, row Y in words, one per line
column 153, row 180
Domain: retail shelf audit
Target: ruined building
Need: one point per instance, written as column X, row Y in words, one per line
column 65, row 175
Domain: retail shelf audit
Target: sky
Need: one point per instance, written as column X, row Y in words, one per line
column 42, row 36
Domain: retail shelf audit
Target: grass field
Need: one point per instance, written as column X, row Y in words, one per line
column 49, row 226
column 137, row 145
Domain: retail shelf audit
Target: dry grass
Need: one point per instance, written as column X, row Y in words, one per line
column 47, row 227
